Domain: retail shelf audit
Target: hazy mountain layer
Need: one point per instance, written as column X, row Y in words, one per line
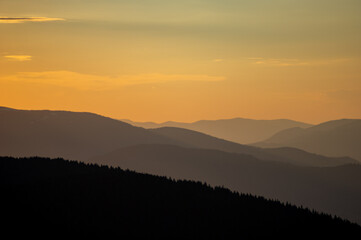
column 71, row 135
column 334, row 138
column 287, row 155
column 335, row 190
column 84, row 135
column 239, row 130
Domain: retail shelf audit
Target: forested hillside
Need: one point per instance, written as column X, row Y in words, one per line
column 66, row 198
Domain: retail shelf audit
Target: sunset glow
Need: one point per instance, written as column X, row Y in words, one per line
column 183, row 60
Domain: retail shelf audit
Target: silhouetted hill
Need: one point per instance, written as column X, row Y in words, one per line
column 334, row 138
column 303, row 158
column 239, row 130
column 57, row 198
column 335, row 190
column 287, row 155
column 81, row 136
column 72, row 135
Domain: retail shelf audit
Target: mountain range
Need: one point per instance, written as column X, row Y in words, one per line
column 76, row 135
column 334, row 190
column 336, row 138
column 333, row 138
column 239, row 130
column 329, row 184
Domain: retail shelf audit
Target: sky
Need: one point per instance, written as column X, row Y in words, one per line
column 161, row 60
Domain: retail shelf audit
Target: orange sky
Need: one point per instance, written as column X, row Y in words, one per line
column 183, row 60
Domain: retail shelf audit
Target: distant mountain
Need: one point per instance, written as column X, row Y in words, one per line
column 286, row 155
column 44, row 197
column 334, row 190
column 72, row 135
column 87, row 136
column 75, row 135
column 334, row 138
column 239, row 130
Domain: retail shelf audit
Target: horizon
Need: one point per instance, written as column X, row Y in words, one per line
column 172, row 121
column 183, row 60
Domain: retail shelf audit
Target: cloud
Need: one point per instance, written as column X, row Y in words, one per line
column 28, row 19
column 256, row 58
column 93, row 82
column 18, row 58
column 289, row 62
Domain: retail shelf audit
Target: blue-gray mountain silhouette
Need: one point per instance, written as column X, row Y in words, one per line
column 75, row 135
column 239, row 130
column 87, row 136
column 333, row 138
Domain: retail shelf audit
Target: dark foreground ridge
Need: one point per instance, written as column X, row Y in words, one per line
column 65, row 198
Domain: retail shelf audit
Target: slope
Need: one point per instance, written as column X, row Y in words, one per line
column 73, row 135
column 335, row 190
column 60, row 199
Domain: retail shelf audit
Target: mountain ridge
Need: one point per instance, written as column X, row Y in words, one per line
column 333, row 138
column 75, row 135
column 334, row 190
column 239, row 130
column 201, row 140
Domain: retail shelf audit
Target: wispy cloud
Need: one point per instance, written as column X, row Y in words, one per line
column 28, row 19
column 18, row 58
column 93, row 82
column 256, row 58
column 289, row 62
